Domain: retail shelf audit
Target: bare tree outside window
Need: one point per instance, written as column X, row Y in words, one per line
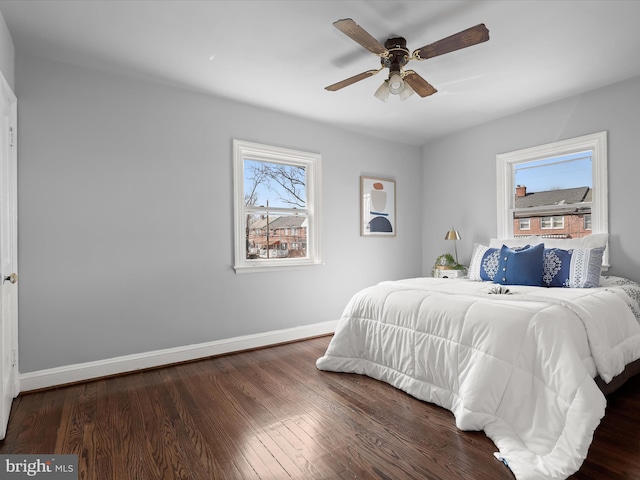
column 278, row 230
column 274, row 184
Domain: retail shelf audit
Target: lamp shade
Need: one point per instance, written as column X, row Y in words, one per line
column 452, row 235
column 383, row 91
column 396, row 83
column 406, row 92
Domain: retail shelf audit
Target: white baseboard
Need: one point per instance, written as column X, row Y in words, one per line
column 129, row 363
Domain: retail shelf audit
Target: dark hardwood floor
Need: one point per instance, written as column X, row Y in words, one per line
column 270, row 414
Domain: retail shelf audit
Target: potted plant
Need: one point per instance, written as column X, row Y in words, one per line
column 447, row 262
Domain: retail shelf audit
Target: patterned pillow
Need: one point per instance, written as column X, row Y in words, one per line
column 484, row 263
column 575, row 268
column 520, row 266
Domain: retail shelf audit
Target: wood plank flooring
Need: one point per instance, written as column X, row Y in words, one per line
column 270, row 414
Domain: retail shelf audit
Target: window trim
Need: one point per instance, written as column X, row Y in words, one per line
column 596, row 143
column 312, row 162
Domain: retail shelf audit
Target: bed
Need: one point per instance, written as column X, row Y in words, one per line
column 522, row 362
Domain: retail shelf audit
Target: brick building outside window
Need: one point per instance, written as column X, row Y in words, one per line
column 559, row 213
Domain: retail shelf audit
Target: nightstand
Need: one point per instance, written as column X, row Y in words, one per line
column 449, row 273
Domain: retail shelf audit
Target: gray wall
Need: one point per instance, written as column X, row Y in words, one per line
column 7, row 53
column 125, row 218
column 460, row 171
column 125, row 209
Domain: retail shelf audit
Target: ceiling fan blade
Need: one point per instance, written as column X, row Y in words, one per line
column 352, row 80
column 419, row 84
column 466, row 38
column 360, row 35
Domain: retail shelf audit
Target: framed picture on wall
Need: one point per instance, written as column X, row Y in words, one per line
column 377, row 207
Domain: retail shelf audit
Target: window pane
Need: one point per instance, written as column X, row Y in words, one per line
column 274, row 184
column 276, row 236
column 557, row 173
column 545, row 188
column 558, row 222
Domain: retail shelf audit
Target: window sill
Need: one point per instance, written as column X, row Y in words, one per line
column 275, row 267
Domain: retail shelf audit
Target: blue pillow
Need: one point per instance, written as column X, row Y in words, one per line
column 520, row 266
column 575, row 268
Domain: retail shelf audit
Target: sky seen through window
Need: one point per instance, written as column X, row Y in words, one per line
column 567, row 171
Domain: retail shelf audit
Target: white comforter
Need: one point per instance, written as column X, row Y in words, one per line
column 518, row 366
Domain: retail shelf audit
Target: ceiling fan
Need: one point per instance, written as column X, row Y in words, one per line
column 394, row 55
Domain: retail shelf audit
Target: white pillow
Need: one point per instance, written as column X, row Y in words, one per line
column 590, row 241
column 517, row 242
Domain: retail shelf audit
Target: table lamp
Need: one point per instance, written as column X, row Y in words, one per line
column 453, row 235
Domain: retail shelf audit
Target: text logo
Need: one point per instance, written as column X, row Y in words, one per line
column 44, row 467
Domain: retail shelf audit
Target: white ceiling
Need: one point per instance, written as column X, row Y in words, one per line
column 281, row 54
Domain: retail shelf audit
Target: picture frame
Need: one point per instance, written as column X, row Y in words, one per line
column 377, row 207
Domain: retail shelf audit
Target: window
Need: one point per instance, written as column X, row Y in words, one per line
column 276, row 207
column 562, row 183
column 524, row 224
column 551, row 222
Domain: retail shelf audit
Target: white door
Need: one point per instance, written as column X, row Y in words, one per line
column 8, row 254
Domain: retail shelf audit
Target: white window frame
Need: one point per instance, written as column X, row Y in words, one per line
column 524, row 221
column 312, row 162
column 505, row 162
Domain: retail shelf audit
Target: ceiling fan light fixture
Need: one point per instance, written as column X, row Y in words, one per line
column 406, row 92
column 396, row 84
column 382, row 93
column 395, row 55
